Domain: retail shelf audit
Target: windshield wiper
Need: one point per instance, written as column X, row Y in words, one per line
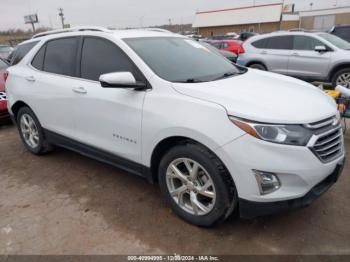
column 226, row 75
column 190, row 80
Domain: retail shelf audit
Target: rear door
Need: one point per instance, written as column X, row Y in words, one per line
column 51, row 80
column 307, row 63
column 276, row 53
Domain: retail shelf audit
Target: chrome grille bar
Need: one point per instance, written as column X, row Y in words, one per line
column 328, row 145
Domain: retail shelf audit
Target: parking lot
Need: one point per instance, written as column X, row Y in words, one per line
column 65, row 203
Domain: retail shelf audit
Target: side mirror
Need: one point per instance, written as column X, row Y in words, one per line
column 321, row 48
column 121, row 80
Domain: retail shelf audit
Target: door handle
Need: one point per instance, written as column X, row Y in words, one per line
column 30, row 78
column 295, row 54
column 264, row 52
column 79, row 90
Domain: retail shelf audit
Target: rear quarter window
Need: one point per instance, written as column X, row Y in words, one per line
column 260, row 44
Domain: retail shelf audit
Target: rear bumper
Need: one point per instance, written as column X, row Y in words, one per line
column 249, row 209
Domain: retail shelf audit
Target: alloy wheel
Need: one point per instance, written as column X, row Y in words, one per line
column 191, row 186
column 29, row 131
column 344, row 80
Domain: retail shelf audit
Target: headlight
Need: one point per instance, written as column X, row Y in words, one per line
column 282, row 134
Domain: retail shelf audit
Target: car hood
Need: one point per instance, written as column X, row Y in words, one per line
column 265, row 97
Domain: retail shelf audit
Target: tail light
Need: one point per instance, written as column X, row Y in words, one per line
column 240, row 50
column 6, row 75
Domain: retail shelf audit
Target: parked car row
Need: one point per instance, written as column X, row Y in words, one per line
column 232, row 36
column 217, row 137
column 4, row 115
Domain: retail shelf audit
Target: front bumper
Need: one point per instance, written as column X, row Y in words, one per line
column 249, row 209
column 298, row 169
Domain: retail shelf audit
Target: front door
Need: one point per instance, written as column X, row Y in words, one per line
column 307, row 63
column 108, row 118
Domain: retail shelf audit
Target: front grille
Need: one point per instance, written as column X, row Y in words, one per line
column 3, row 96
column 329, row 143
column 321, row 124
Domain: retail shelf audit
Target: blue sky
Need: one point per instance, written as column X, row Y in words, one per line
column 127, row 13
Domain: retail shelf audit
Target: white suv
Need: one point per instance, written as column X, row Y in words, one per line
column 216, row 137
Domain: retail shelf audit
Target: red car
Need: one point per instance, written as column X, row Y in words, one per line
column 234, row 46
column 4, row 115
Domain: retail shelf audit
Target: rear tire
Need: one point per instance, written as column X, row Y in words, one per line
column 204, row 193
column 342, row 77
column 31, row 132
column 258, row 66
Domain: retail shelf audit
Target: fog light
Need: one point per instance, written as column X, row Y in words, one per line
column 267, row 182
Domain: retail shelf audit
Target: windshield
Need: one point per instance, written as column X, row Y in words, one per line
column 181, row 60
column 335, row 40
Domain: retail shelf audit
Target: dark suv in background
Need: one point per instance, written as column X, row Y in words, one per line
column 342, row 31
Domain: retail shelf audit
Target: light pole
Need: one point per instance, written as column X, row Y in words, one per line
column 281, row 18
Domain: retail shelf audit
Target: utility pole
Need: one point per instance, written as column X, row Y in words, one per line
column 281, row 18
column 61, row 14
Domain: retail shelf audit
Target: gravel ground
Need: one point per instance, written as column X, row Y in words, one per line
column 65, row 203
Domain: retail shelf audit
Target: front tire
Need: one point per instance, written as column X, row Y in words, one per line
column 31, row 132
column 197, row 185
column 342, row 77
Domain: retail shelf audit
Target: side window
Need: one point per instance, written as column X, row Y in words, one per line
column 21, row 52
column 280, row 42
column 101, row 56
column 305, row 43
column 60, row 56
column 38, row 61
column 260, row 44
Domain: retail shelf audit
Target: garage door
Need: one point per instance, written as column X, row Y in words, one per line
column 324, row 22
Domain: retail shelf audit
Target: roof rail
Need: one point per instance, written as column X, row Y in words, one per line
column 73, row 29
column 154, row 29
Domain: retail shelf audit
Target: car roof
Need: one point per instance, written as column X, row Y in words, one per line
column 281, row 33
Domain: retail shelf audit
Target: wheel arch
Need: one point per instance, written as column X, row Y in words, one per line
column 337, row 68
column 256, row 62
column 16, row 107
column 166, row 144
